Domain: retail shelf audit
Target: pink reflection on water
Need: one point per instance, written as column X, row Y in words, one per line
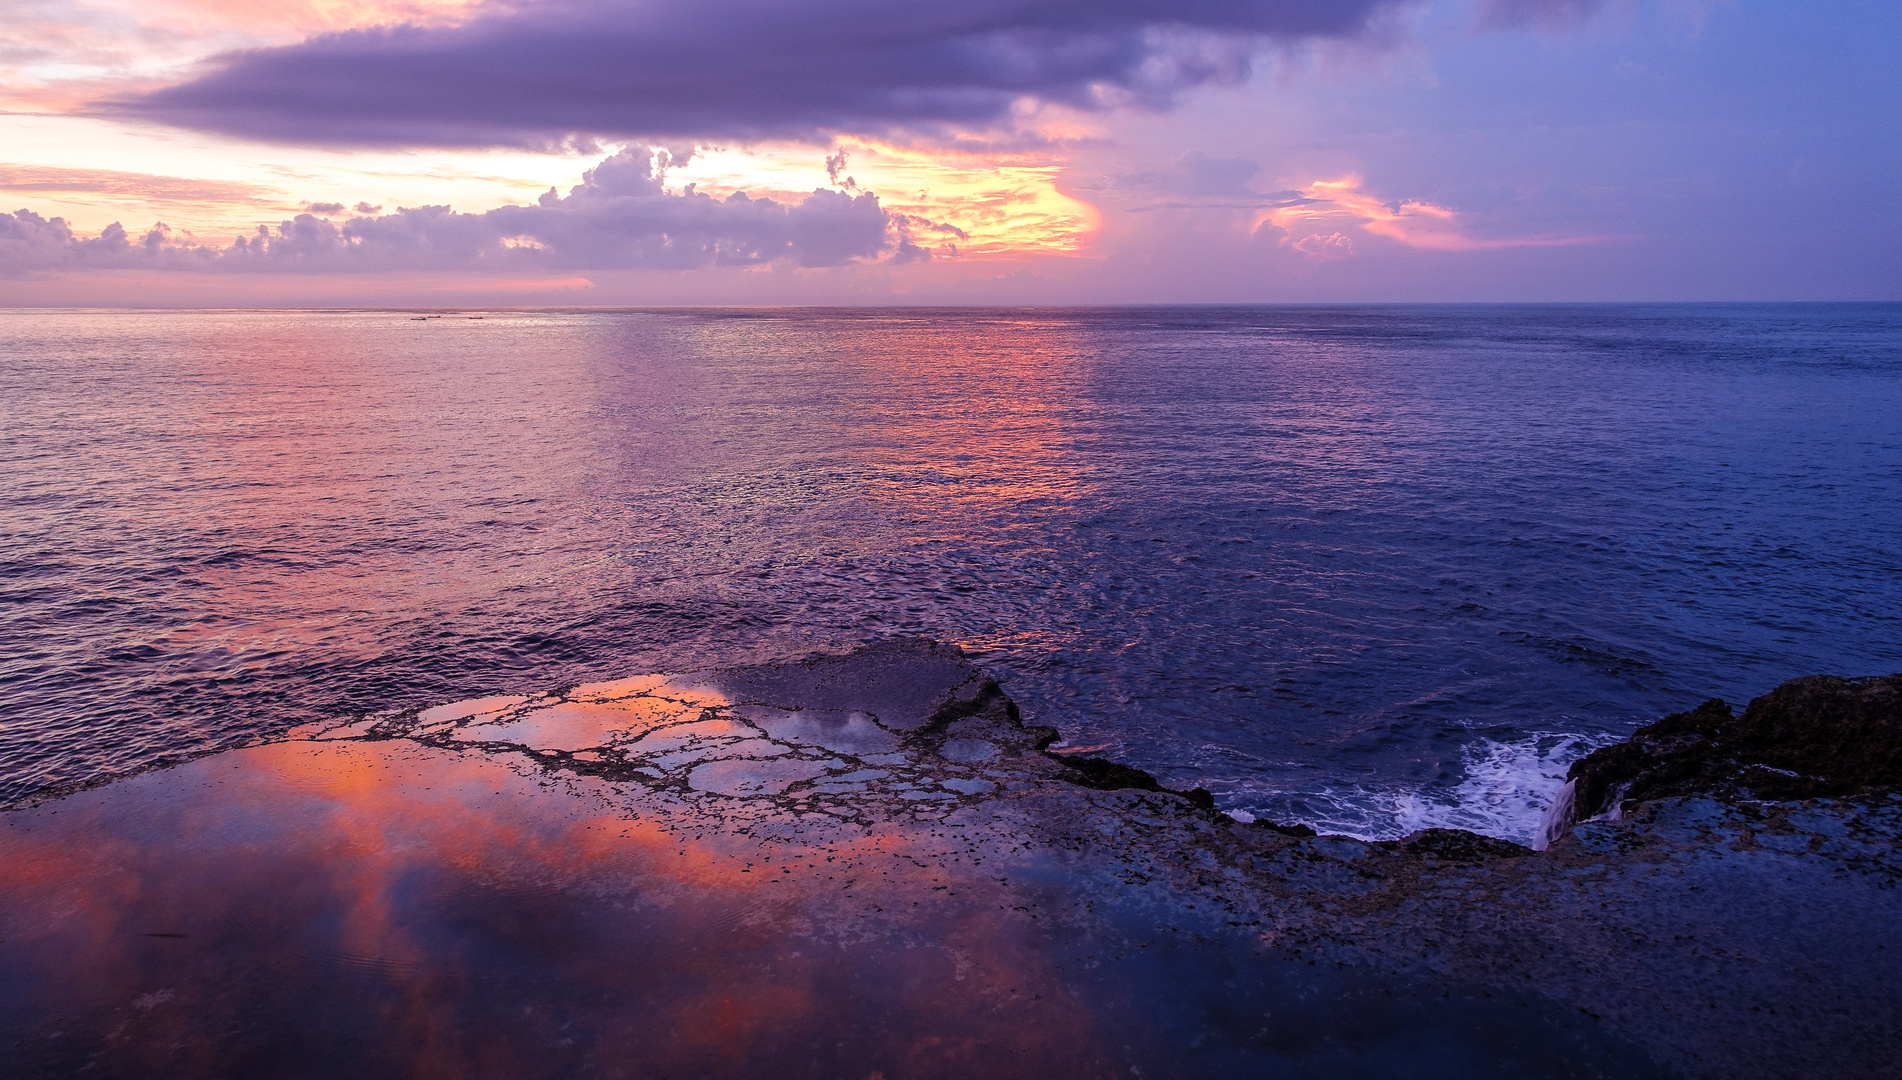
column 444, row 914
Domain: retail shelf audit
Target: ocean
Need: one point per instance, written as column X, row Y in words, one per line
column 1366, row 568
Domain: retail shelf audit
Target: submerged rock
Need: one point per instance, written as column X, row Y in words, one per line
column 1812, row 737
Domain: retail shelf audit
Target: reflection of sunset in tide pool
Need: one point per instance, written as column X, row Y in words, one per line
column 462, row 916
column 891, row 877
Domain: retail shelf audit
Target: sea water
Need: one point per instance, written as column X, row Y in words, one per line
column 1368, row 568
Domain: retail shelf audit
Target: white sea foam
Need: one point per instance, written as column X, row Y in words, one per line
column 1558, row 816
column 1507, row 790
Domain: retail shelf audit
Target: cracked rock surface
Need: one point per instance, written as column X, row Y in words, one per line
column 868, row 865
column 902, row 724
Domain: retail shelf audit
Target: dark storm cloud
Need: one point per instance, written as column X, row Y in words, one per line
column 619, row 217
column 539, row 74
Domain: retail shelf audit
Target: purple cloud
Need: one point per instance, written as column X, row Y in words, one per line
column 30, row 242
column 619, row 217
column 544, row 74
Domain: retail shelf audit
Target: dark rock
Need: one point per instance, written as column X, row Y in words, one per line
column 1458, row 845
column 868, row 865
column 1106, row 775
column 1297, row 829
column 1817, row 736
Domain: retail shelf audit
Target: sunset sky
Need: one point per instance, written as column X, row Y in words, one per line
column 443, row 152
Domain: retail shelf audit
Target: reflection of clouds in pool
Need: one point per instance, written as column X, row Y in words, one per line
column 403, row 900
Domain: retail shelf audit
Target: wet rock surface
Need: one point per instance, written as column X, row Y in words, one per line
column 869, row 865
column 900, row 728
column 1816, row 736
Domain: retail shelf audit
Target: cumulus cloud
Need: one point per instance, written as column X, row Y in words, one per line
column 1325, row 246
column 620, row 216
column 31, row 242
column 565, row 71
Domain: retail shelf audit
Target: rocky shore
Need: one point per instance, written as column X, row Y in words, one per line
column 869, row 865
column 1813, row 737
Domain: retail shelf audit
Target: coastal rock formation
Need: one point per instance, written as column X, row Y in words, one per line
column 895, row 726
column 869, row 864
column 1812, row 737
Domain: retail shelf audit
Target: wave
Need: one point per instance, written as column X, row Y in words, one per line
column 1506, row 791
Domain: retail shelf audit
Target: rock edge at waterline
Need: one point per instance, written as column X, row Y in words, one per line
column 868, row 864
column 1819, row 736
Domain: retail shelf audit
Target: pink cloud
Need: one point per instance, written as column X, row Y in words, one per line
column 1325, row 246
column 134, row 187
column 1412, row 222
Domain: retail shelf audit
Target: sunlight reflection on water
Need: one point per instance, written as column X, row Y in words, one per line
column 1317, row 560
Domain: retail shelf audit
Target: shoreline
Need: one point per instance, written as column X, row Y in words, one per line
column 949, row 894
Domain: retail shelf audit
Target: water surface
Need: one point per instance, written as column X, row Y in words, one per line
column 1369, row 568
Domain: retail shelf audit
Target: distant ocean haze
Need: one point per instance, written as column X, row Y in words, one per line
column 1370, row 568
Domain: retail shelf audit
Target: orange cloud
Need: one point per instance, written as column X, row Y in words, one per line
column 141, row 188
column 975, row 205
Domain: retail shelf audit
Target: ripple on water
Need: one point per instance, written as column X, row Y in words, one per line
column 1323, row 561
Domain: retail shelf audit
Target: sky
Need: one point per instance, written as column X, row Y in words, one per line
column 606, row 152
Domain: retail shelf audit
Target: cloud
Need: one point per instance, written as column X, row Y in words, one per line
column 31, row 242
column 1325, row 246
column 564, row 72
column 1412, row 222
column 139, row 187
column 619, row 217
column 55, row 54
